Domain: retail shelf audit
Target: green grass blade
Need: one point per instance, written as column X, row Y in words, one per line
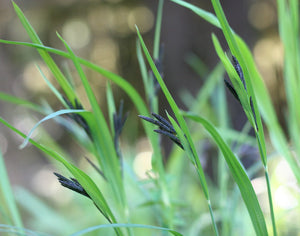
column 209, row 17
column 130, row 91
column 268, row 113
column 103, row 139
column 12, row 230
column 111, row 107
column 20, row 101
column 52, row 88
column 240, row 176
column 67, row 88
column 121, row 82
column 289, row 34
column 85, row 181
column 237, row 83
column 182, row 124
column 148, row 85
column 236, row 51
column 156, row 44
column 200, row 172
column 48, row 117
column 8, row 196
column 240, row 50
column 150, row 227
column 133, row 95
column 220, row 21
column 169, row 97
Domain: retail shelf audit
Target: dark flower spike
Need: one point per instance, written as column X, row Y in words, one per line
column 78, row 105
column 75, row 186
column 232, row 90
column 119, row 120
column 72, row 184
column 78, row 118
column 171, row 136
column 239, row 71
column 165, row 123
column 161, row 125
column 155, row 122
column 165, row 128
column 156, row 85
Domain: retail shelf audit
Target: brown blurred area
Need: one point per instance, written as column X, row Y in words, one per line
column 104, row 33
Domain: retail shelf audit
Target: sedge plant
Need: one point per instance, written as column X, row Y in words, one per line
column 100, row 138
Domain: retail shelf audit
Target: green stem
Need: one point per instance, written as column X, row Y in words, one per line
column 263, row 157
column 200, row 173
column 213, row 218
column 270, row 201
column 157, row 29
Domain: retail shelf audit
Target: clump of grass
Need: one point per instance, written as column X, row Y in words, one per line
column 111, row 197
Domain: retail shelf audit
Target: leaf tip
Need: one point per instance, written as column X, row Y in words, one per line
column 24, row 144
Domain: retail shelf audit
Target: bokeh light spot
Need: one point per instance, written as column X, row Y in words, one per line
column 32, row 78
column 142, row 164
column 142, row 17
column 118, row 22
column 77, row 33
column 261, row 15
column 46, row 184
column 284, row 198
column 105, row 53
column 284, row 174
column 259, row 185
column 269, row 54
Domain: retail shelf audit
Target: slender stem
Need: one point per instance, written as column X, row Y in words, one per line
column 213, row 218
column 200, row 173
column 263, row 157
column 270, row 201
column 158, row 29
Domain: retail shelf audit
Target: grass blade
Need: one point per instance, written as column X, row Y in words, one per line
column 8, row 196
column 102, row 134
column 48, row 117
column 20, row 101
column 19, row 231
column 93, row 228
column 209, row 17
column 239, row 175
column 52, row 88
column 156, row 43
column 111, row 107
column 67, row 88
column 85, row 181
column 182, row 124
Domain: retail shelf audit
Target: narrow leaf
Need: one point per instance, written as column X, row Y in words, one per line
column 239, row 175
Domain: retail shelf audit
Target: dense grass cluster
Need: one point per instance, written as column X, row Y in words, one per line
column 177, row 197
